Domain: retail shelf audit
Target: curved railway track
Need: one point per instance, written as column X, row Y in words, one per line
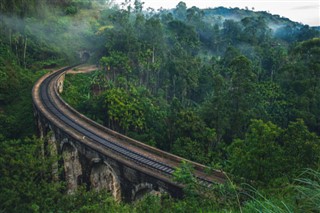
column 50, row 99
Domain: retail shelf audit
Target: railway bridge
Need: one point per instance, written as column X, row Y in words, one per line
column 100, row 158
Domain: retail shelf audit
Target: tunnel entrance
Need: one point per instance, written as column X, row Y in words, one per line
column 85, row 56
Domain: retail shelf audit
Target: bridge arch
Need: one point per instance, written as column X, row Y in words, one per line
column 72, row 166
column 142, row 189
column 103, row 177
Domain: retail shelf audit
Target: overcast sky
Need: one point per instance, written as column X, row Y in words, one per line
column 303, row 11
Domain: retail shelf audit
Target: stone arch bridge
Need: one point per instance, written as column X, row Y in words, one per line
column 99, row 157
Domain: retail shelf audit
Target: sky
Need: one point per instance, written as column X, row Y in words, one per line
column 302, row 11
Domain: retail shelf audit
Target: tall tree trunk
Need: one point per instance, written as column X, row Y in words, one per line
column 17, row 54
column 25, row 51
column 10, row 39
column 147, row 74
column 153, row 58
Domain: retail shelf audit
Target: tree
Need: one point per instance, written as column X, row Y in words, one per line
column 231, row 31
column 116, row 64
column 302, row 147
column 185, row 35
column 270, row 103
column 153, row 51
column 215, row 39
column 187, row 148
column 123, row 109
column 195, row 15
column 258, row 156
column 255, row 30
column 241, row 94
column 180, row 11
column 193, row 139
column 215, row 109
column 184, row 175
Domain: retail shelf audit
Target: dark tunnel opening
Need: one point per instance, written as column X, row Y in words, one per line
column 85, row 57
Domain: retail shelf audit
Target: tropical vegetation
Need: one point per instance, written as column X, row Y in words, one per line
column 233, row 89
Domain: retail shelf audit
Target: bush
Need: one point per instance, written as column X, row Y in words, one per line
column 71, row 10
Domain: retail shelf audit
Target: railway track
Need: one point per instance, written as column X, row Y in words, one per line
column 49, row 99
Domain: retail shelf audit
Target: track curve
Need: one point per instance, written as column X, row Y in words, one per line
column 47, row 99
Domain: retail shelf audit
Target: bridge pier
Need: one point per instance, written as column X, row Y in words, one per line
column 39, row 124
column 52, row 151
column 72, row 167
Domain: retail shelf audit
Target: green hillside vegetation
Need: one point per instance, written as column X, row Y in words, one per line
column 233, row 89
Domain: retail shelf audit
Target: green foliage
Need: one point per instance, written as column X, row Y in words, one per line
column 194, row 140
column 71, row 10
column 271, row 104
column 116, row 64
column 188, row 148
column 184, row 34
column 24, row 177
column 89, row 201
column 125, row 109
column 241, row 93
column 183, row 174
column 302, row 147
column 78, row 91
column 258, row 157
column 26, row 184
column 209, row 198
column 300, row 80
column 268, row 152
column 16, row 118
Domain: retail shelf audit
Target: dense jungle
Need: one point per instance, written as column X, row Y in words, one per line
column 230, row 88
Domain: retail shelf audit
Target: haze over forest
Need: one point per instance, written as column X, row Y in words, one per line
column 234, row 89
column 306, row 12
